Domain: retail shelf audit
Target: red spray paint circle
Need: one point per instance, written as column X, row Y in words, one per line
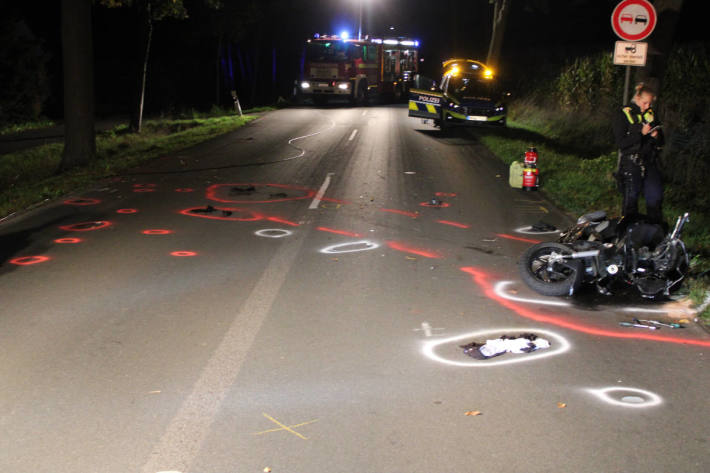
column 29, row 260
column 82, row 202
column 230, row 214
column 68, row 240
column 183, row 253
column 86, row 226
column 220, row 193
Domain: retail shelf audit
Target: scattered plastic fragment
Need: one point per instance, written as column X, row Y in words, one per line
column 561, row 405
column 267, row 470
column 473, row 413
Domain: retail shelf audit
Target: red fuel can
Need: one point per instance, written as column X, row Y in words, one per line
column 531, row 178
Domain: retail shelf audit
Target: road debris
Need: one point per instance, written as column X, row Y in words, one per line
column 473, row 413
column 524, row 343
column 206, row 210
column 561, row 405
column 541, row 226
column 242, row 190
column 656, row 322
column 629, row 324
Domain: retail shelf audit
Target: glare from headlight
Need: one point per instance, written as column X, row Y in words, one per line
column 343, row 86
column 305, row 85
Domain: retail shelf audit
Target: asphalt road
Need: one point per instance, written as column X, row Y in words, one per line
column 286, row 297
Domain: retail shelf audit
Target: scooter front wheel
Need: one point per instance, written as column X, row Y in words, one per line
column 545, row 269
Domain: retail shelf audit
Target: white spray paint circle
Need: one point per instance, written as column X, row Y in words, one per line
column 273, row 233
column 350, row 247
column 629, row 397
column 558, row 342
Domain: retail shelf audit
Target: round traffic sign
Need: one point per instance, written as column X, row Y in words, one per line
column 633, row 20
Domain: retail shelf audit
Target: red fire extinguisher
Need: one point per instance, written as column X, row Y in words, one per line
column 531, row 174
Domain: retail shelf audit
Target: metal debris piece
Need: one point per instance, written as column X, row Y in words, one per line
column 629, row 324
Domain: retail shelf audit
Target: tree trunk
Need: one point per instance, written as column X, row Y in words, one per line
column 500, row 17
column 78, row 73
column 660, row 43
column 137, row 115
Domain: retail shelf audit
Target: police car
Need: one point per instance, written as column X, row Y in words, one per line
column 468, row 94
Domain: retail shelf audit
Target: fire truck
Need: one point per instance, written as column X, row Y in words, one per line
column 356, row 70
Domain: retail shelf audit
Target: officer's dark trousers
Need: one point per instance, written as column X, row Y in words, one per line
column 634, row 181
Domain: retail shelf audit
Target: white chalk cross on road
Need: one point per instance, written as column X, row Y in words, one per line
column 428, row 329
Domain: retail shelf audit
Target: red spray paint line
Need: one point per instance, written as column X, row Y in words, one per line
column 127, row 211
column 399, row 246
column 144, row 189
column 183, row 253
column 29, row 260
column 184, row 189
column 142, row 186
column 86, row 226
column 517, row 238
column 454, row 224
column 339, row 232
column 157, row 231
column 283, row 220
column 445, row 194
column 82, row 202
column 68, row 240
column 483, row 280
column 335, row 201
column 401, row 212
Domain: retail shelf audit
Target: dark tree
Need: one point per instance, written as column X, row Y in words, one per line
column 78, row 73
column 500, row 18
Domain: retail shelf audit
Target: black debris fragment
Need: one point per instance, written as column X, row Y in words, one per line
column 278, row 195
column 242, row 190
column 226, row 213
column 206, row 210
column 542, row 227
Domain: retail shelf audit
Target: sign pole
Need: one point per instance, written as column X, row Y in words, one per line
column 627, row 79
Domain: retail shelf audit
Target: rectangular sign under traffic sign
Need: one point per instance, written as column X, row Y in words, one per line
column 630, row 54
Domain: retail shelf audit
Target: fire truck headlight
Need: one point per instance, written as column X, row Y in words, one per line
column 305, row 85
column 344, row 85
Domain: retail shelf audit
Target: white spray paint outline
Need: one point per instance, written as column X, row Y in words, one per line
column 500, row 287
column 333, row 249
column 561, row 346
column 653, row 399
column 273, row 233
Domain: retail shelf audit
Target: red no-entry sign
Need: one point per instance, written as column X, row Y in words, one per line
column 633, row 20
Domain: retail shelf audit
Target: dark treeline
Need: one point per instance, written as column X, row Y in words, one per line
column 255, row 47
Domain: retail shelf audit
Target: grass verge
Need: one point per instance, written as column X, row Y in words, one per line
column 581, row 184
column 30, row 176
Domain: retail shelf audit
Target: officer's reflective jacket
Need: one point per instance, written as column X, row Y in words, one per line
column 627, row 125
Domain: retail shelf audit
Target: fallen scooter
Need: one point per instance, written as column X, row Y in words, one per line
column 607, row 252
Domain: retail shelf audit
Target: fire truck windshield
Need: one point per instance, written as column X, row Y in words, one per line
column 330, row 51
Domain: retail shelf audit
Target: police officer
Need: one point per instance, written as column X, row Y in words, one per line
column 639, row 140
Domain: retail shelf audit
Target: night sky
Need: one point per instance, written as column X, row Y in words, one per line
column 183, row 67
